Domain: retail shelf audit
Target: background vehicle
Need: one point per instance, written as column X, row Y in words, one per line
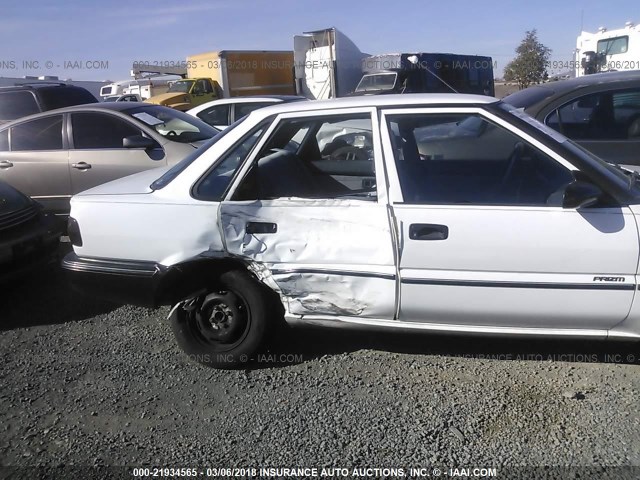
column 222, row 113
column 230, row 73
column 600, row 112
column 144, row 87
column 99, row 143
column 26, row 99
column 29, row 238
column 608, row 50
column 327, row 64
column 426, row 72
column 373, row 212
column 125, row 97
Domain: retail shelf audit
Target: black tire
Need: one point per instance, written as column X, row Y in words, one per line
column 225, row 327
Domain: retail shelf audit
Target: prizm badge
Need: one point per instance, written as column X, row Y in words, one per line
column 608, row 279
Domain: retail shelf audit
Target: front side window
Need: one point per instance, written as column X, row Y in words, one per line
column 464, row 159
column 610, row 115
column 317, row 157
column 171, row 124
column 100, row 130
column 41, row 134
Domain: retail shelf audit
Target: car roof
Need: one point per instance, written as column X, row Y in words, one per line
column 99, row 106
column 249, row 99
column 393, row 100
column 562, row 86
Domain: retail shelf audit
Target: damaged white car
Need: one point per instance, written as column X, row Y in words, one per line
column 430, row 212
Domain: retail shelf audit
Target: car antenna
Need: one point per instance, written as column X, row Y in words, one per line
column 414, row 59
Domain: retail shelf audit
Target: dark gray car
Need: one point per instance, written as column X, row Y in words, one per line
column 601, row 112
column 54, row 155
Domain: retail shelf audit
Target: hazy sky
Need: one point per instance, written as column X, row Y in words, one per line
column 52, row 32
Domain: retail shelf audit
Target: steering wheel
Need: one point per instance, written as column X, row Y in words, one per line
column 514, row 159
column 349, row 153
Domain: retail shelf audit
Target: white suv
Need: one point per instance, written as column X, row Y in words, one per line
column 429, row 212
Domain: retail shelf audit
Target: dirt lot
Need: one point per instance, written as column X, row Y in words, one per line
column 86, row 383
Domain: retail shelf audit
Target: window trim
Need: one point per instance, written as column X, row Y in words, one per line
column 395, row 191
column 381, row 193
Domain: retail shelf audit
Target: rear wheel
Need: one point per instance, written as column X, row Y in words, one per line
column 225, row 327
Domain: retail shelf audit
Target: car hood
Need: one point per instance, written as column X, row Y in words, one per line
column 168, row 98
column 133, row 184
column 11, row 200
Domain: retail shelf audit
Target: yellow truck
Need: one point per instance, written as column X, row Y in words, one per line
column 230, row 73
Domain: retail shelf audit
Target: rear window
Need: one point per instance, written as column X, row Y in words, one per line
column 59, row 97
column 528, row 97
column 17, row 104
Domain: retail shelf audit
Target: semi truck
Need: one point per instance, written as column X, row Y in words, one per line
column 230, row 73
column 328, row 64
column 608, row 50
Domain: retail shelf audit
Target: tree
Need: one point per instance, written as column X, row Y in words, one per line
column 530, row 64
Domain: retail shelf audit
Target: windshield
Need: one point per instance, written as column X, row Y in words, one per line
column 528, row 97
column 179, row 167
column 172, row 124
column 181, row 86
column 377, row 81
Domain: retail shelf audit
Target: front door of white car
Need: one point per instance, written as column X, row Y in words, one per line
column 484, row 240
column 307, row 210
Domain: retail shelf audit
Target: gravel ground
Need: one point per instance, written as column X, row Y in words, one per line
column 93, row 384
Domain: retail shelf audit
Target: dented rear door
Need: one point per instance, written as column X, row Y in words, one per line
column 307, row 211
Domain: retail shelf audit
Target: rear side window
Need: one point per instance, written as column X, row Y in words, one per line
column 58, row 97
column 243, row 109
column 4, row 141
column 100, row 130
column 41, row 134
column 17, row 104
column 218, row 115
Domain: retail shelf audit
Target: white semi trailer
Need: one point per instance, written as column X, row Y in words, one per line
column 608, row 50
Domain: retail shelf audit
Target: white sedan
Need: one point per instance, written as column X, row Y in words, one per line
column 222, row 113
column 436, row 212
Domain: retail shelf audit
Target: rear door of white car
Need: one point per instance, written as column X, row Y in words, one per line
column 484, row 239
column 307, row 208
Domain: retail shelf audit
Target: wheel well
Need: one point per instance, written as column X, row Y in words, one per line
column 185, row 279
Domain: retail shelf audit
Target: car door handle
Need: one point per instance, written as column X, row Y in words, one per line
column 428, row 231
column 81, row 166
column 261, row 227
column 5, row 164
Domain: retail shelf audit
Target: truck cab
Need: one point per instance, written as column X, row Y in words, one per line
column 188, row 93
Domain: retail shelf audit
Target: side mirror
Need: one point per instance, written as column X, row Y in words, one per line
column 138, row 141
column 580, row 194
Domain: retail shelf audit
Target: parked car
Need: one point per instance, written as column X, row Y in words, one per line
column 362, row 211
column 601, row 112
column 29, row 238
column 52, row 155
column 126, row 97
column 222, row 113
column 26, row 99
